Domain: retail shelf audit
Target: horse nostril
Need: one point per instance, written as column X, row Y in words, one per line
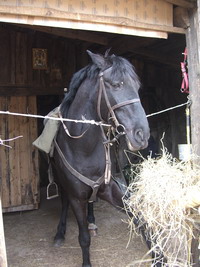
column 139, row 135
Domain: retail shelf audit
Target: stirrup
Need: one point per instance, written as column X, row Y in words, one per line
column 52, row 186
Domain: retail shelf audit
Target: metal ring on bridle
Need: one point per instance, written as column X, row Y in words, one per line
column 120, row 129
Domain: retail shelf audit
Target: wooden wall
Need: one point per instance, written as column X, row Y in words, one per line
column 20, row 85
column 19, row 165
column 17, row 75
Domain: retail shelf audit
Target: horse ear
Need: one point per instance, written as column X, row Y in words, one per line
column 97, row 59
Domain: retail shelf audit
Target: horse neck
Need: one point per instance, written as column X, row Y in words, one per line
column 84, row 105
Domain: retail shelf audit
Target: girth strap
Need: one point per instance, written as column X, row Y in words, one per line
column 93, row 184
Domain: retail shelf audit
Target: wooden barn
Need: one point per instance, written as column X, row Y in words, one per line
column 42, row 43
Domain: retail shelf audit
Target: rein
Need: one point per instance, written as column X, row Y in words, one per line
column 107, row 142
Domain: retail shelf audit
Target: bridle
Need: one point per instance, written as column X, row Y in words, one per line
column 119, row 128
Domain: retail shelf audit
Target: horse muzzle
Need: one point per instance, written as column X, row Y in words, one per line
column 137, row 140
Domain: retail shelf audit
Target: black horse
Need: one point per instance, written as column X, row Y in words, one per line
column 106, row 91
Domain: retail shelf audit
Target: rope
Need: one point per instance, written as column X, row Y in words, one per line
column 8, row 140
column 54, row 118
column 167, row 109
column 86, row 121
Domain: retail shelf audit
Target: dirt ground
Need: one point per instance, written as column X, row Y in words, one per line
column 29, row 239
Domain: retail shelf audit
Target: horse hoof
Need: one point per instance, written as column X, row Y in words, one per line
column 93, row 232
column 92, row 229
column 58, row 242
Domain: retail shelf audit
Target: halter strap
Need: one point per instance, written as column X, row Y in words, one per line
column 127, row 102
column 102, row 90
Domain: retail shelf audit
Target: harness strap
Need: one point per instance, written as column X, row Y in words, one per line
column 93, row 184
column 107, row 144
column 110, row 111
column 99, row 103
column 66, row 129
column 127, row 102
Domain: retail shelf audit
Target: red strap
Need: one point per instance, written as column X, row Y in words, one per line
column 185, row 82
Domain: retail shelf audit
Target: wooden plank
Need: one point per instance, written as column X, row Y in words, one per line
column 78, row 35
column 150, row 11
column 33, row 152
column 18, row 90
column 5, row 56
column 181, row 18
column 21, row 208
column 181, row 3
column 12, row 56
column 3, row 254
column 23, row 151
column 21, row 58
column 20, row 166
column 193, row 46
column 14, row 161
column 65, row 19
column 195, row 252
column 4, row 155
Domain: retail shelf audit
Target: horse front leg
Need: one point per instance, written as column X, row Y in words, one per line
column 61, row 228
column 79, row 208
column 92, row 227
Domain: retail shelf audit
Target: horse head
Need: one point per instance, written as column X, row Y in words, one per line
column 118, row 100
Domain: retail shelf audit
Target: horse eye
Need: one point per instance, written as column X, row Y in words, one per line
column 117, row 84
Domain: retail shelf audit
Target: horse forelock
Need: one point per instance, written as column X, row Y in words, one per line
column 121, row 67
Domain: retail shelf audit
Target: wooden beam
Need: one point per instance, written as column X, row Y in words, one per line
column 140, row 48
column 156, row 57
column 181, row 3
column 193, row 47
column 180, row 17
column 71, row 34
column 47, row 14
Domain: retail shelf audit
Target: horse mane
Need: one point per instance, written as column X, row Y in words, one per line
column 74, row 85
column 120, row 68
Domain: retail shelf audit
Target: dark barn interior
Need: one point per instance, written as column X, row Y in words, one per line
column 26, row 89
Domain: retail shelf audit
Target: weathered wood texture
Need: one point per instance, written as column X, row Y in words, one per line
column 182, row 3
column 141, row 18
column 19, row 165
column 17, row 75
column 181, row 18
column 3, row 254
column 193, row 45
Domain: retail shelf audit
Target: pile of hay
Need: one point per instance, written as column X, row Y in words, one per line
column 162, row 195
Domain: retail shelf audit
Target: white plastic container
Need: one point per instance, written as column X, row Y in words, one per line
column 184, row 151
